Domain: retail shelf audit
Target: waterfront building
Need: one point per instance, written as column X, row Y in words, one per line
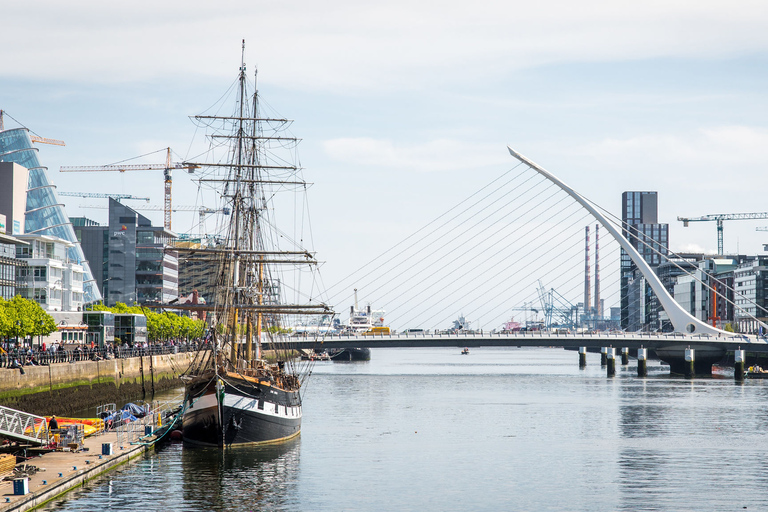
column 50, row 277
column 8, row 261
column 101, row 327
column 751, row 287
column 130, row 329
column 639, row 215
column 43, row 213
column 197, row 271
column 130, row 256
column 694, row 290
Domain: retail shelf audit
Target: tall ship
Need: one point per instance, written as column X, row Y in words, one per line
column 233, row 394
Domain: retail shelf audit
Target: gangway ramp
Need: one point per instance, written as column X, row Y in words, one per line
column 22, row 426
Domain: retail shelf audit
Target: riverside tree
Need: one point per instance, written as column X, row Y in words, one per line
column 23, row 318
column 160, row 326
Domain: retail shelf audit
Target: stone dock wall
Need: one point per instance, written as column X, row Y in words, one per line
column 64, row 388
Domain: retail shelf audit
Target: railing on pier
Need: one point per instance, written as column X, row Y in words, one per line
column 158, row 414
column 23, row 426
column 18, row 358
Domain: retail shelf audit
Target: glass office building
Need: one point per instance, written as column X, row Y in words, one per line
column 640, row 225
column 129, row 257
column 44, row 214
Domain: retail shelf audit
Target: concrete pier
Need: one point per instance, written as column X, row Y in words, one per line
column 690, row 363
column 60, row 472
column 603, row 356
column 610, row 355
column 738, row 365
column 625, row 356
column 642, row 362
column 582, row 357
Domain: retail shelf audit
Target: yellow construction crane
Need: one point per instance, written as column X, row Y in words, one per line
column 166, row 168
column 719, row 218
column 33, row 138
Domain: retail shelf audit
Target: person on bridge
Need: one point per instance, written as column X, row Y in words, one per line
column 53, row 423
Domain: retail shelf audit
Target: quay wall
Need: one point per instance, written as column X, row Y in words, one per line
column 64, row 388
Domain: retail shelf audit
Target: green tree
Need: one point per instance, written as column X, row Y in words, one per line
column 20, row 317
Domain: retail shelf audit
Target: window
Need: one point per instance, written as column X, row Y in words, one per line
column 40, row 273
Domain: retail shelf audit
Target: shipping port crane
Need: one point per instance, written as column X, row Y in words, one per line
column 166, row 168
column 103, row 196
column 719, row 218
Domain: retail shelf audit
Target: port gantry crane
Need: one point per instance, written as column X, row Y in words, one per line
column 166, row 168
column 719, row 218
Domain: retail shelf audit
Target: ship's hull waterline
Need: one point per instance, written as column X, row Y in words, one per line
column 239, row 412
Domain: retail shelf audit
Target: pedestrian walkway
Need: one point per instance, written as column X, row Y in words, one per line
column 57, row 472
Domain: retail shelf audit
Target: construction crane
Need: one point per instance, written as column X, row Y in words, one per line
column 201, row 210
column 102, row 196
column 33, row 138
column 166, row 168
column 719, row 218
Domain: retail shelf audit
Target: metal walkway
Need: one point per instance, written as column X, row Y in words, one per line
column 23, row 426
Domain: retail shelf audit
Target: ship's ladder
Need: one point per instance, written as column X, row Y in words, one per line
column 22, row 426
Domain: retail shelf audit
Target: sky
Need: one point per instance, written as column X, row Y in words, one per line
column 406, row 108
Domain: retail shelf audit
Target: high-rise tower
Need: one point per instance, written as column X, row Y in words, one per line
column 639, row 216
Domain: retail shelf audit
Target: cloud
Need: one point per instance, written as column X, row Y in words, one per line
column 433, row 156
column 722, row 147
column 344, row 45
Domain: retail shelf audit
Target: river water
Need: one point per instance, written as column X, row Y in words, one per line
column 498, row 429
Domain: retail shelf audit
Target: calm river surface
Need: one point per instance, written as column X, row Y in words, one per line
column 499, row 429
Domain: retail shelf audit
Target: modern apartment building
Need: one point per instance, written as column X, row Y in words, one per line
column 50, row 277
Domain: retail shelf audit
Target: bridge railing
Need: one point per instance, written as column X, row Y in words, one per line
column 616, row 335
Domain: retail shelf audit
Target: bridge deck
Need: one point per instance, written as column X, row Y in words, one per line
column 534, row 339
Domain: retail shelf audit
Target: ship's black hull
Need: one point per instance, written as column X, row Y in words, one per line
column 351, row 354
column 251, row 413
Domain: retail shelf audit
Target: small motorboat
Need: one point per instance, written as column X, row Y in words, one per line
column 756, row 372
column 465, row 351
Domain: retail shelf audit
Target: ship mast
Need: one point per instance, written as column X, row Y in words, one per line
column 247, row 300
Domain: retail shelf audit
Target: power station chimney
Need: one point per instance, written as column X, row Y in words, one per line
column 587, row 284
column 598, row 302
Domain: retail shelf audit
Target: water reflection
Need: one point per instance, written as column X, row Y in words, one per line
column 241, row 478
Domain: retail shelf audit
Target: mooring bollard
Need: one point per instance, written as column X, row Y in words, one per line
column 582, row 357
column 610, row 356
column 603, row 356
column 642, row 362
column 690, row 360
column 624, row 356
column 738, row 365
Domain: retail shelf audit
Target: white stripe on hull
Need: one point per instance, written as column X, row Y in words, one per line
column 270, row 408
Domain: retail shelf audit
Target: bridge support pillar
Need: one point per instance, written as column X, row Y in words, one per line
column 603, row 356
column 642, row 362
column 610, row 356
column 738, row 365
column 625, row 356
column 690, row 360
column 582, row 357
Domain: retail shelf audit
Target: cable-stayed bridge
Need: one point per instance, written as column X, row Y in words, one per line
column 487, row 256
